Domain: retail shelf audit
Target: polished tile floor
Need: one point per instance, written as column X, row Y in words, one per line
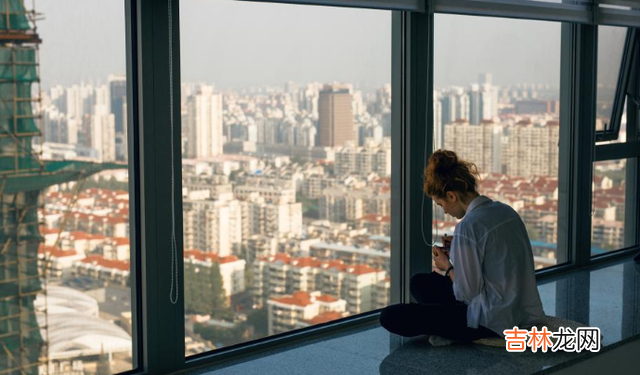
column 608, row 298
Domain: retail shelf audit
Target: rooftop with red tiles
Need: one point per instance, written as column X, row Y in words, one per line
column 107, row 263
column 211, row 257
column 326, row 298
column 361, row 269
column 325, row 317
column 301, row 299
column 55, row 251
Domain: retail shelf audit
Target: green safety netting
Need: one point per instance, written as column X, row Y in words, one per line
column 20, row 336
column 13, row 15
column 21, row 147
column 18, row 70
column 22, row 59
column 22, row 108
column 56, row 172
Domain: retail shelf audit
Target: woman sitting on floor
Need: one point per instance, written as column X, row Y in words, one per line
column 490, row 284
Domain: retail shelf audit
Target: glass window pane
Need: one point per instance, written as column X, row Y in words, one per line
column 286, row 167
column 610, row 47
column 497, row 105
column 65, row 296
column 611, row 211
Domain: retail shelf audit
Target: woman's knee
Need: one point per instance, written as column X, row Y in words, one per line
column 387, row 317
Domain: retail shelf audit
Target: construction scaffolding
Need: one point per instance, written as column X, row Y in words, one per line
column 23, row 176
column 21, row 337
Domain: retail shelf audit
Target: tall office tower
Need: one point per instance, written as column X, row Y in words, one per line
column 479, row 144
column 335, row 116
column 52, row 124
column 383, row 97
column 102, row 97
column 359, row 107
column 308, row 99
column 449, row 108
column 475, row 105
column 532, row 149
column 117, row 96
column 489, row 102
column 464, row 106
column 307, row 135
column 103, row 129
column 58, row 97
column 437, row 122
column 204, row 124
column 123, row 136
column 483, row 103
column 74, row 102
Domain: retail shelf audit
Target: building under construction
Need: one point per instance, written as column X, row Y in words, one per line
column 23, row 176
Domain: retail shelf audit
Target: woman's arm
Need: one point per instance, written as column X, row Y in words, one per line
column 467, row 258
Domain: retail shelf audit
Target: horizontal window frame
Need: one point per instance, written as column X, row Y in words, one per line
column 218, row 356
column 399, row 5
column 589, row 14
column 519, row 9
column 615, row 151
column 617, row 17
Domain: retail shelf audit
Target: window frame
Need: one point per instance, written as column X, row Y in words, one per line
column 159, row 340
column 630, row 149
column 612, row 131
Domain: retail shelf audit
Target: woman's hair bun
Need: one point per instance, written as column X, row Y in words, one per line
column 443, row 161
column 445, row 172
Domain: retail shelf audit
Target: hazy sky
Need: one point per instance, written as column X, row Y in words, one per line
column 235, row 44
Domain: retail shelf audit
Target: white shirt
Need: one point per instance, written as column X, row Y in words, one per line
column 494, row 269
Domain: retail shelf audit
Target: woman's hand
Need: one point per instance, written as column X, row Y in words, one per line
column 440, row 258
column 446, row 241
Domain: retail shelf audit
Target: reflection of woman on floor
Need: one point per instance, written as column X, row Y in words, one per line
column 489, row 284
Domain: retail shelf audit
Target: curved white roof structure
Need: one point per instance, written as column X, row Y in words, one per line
column 67, row 300
column 75, row 328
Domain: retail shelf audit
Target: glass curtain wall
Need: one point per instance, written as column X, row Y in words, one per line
column 611, row 41
column 610, row 207
column 496, row 104
column 286, row 159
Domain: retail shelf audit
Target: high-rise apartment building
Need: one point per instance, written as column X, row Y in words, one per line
column 480, row 144
column 532, row 149
column 373, row 157
column 103, row 137
column 204, row 124
column 214, row 226
column 118, row 101
column 335, row 116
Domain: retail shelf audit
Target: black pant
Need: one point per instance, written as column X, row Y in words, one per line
column 436, row 313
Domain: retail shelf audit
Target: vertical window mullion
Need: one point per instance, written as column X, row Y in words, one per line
column 633, row 167
column 578, row 115
column 418, row 145
column 162, row 320
column 398, row 57
column 131, row 35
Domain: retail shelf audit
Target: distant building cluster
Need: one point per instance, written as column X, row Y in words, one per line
column 86, row 121
column 286, row 193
